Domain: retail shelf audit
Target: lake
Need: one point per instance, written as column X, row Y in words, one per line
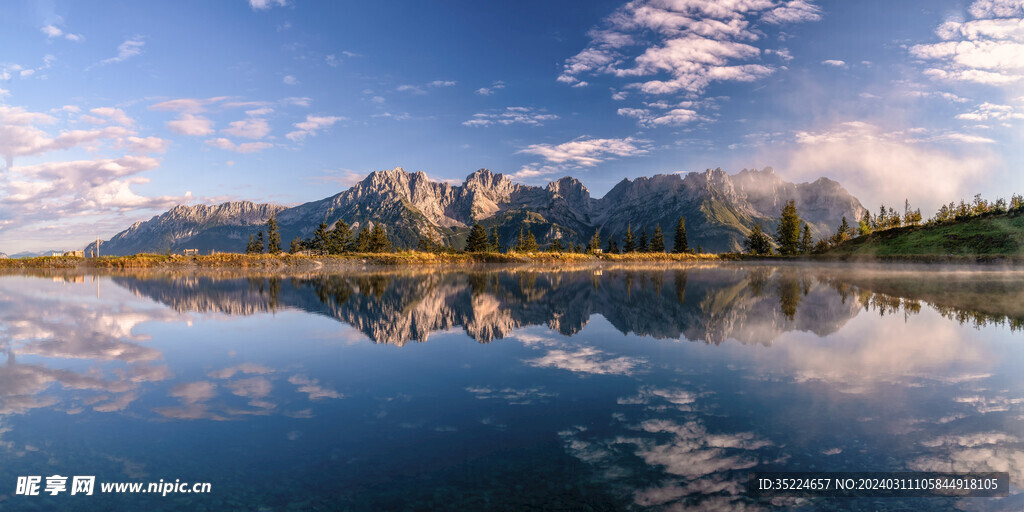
column 509, row 388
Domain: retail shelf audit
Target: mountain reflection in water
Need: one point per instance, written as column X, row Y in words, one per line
column 587, row 400
column 749, row 305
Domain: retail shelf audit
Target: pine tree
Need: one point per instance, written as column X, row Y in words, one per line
column 806, row 242
column 788, row 233
column 864, row 228
column 339, row 238
column 680, row 245
column 520, row 241
column 296, row 246
column 615, row 247
column 492, row 244
column 757, row 241
column 251, row 246
column 658, row 240
column 477, row 240
column 530, row 244
column 642, row 246
column 321, row 239
column 843, row 233
column 258, row 248
column 362, row 241
column 595, row 243
column 379, row 241
column 273, row 237
column 628, row 241
column 556, row 245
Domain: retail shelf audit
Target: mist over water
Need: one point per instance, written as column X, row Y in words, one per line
column 613, row 388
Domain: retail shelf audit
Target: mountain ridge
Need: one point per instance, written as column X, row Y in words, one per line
column 720, row 209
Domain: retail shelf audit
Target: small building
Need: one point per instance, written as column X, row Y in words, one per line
column 75, row 254
column 190, row 252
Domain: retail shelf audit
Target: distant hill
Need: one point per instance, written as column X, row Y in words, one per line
column 32, row 254
column 719, row 209
column 999, row 234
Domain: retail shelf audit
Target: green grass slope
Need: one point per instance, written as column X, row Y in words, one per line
column 985, row 235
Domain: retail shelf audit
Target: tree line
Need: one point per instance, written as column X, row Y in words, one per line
column 338, row 240
column 793, row 235
column 479, row 241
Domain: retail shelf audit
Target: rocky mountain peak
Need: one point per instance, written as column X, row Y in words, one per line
column 570, row 188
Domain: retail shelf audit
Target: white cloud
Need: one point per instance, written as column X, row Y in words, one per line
column 487, row 91
column 146, row 144
column 511, row 115
column 580, row 152
column 422, row 89
column 937, row 94
column 262, row 5
column 20, row 137
column 58, row 189
column 52, row 31
column 247, row 147
column 290, row 80
column 311, row 126
column 588, row 152
column 190, row 105
column 191, row 124
column 252, row 128
column 648, row 119
column 693, row 42
column 794, row 11
column 834, row 63
column 115, row 115
column 997, row 8
column 297, row 101
column 126, row 50
column 991, row 111
column 988, row 49
column 587, row 360
column 313, row 388
column 415, row 89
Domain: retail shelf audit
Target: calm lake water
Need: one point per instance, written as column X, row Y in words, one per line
column 619, row 388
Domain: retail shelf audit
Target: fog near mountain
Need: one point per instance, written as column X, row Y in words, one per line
column 719, row 209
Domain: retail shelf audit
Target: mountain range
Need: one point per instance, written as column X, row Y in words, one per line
column 719, row 209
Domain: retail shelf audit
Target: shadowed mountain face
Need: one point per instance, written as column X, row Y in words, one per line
column 720, row 210
column 712, row 305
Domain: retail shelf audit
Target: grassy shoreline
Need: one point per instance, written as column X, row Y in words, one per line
column 264, row 261
column 415, row 258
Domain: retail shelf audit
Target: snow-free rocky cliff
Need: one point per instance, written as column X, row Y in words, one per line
column 719, row 209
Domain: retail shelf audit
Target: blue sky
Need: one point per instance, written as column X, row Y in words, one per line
column 111, row 112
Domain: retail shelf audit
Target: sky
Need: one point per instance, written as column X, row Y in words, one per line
column 112, row 112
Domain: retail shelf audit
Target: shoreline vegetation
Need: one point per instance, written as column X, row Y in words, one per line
column 341, row 261
column 256, row 262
